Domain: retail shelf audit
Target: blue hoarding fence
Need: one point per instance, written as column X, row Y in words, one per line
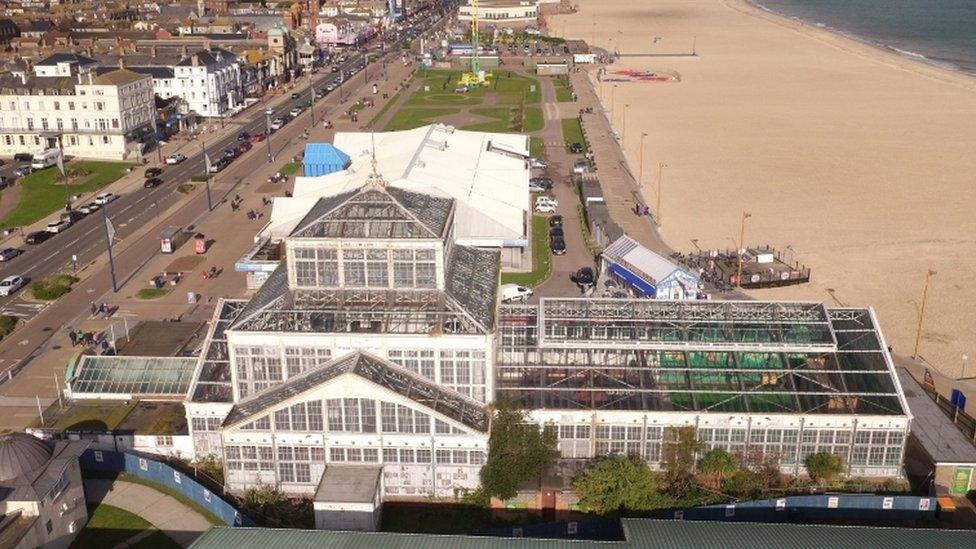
column 154, row 471
column 820, row 507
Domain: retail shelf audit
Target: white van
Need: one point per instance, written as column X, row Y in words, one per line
column 513, row 293
column 45, row 159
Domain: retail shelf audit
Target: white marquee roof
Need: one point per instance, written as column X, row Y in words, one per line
column 484, row 172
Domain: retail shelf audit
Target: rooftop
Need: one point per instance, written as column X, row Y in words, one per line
column 937, row 434
column 53, row 60
column 211, row 380
column 119, row 77
column 132, row 376
column 629, row 253
column 349, row 484
column 645, row 533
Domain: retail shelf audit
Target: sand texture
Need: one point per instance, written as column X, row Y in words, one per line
column 862, row 161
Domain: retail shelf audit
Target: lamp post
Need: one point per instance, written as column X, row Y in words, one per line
column 267, row 115
column 311, row 99
column 612, row 104
column 660, row 183
column 742, row 235
column 623, row 128
column 640, row 177
column 921, row 311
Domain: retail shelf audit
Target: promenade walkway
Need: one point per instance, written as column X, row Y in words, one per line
column 181, row 523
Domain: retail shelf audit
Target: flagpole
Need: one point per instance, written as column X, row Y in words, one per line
column 64, row 175
column 108, row 238
column 206, row 176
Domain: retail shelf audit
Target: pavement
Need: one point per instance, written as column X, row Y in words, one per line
column 178, row 521
column 42, row 343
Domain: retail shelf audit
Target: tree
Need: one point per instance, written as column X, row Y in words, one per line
column 517, row 451
column 719, row 464
column 619, row 483
column 824, row 467
column 679, row 451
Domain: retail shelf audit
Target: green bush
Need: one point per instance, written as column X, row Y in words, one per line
column 199, row 178
column 49, row 289
column 7, row 325
column 186, row 188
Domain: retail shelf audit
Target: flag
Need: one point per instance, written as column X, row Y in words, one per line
column 206, row 163
column 61, row 165
column 110, row 229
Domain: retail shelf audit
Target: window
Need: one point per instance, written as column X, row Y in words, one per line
column 71, row 105
column 205, row 423
column 99, row 106
column 351, row 415
column 303, row 359
column 316, row 267
column 354, row 267
column 258, row 367
column 249, row 458
column 401, row 419
column 164, row 440
column 57, row 105
column 115, row 123
column 414, row 269
column 464, row 371
column 420, row 362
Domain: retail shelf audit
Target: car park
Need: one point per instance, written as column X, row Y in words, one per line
column 153, row 172
column 58, row 225
column 11, row 284
column 106, row 198
column 513, row 293
column 152, row 182
column 37, row 237
column 7, row 254
column 557, row 245
column 175, row 158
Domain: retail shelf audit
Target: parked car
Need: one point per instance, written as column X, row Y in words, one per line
column 153, row 172
column 330, row 87
column 535, row 187
column 294, row 95
column 556, row 221
column 335, row 68
column 295, row 111
column 243, row 136
column 106, row 198
column 11, row 284
column 511, row 293
column 257, row 138
column 5, row 182
column 576, row 147
column 23, row 157
column 583, row 276
column 580, row 166
column 556, row 232
column 244, row 147
column 319, row 94
column 37, row 237
column 557, row 245
column 7, row 254
column 277, row 124
column 545, row 208
column 89, row 208
column 23, row 171
column 152, row 182
column 542, row 180
column 538, row 163
column 58, row 225
column 175, row 158
column 231, row 153
column 546, row 199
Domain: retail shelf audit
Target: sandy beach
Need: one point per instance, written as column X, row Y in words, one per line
column 860, row 160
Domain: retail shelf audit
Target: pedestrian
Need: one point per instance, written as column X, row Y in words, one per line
column 204, row 274
column 94, row 308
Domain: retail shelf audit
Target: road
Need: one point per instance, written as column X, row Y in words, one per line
column 148, row 208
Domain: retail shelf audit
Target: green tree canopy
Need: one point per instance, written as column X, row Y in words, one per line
column 517, row 452
column 824, row 466
column 619, row 483
column 718, row 463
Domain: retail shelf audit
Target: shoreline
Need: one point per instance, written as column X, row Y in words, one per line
column 857, row 45
column 888, row 48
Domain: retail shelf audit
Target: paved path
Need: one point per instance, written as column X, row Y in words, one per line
column 181, row 523
column 9, row 199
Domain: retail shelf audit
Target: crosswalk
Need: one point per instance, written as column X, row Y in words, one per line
column 25, row 310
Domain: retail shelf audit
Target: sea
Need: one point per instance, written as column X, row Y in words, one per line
column 939, row 32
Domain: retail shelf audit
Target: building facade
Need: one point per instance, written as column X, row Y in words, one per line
column 109, row 116
column 501, row 13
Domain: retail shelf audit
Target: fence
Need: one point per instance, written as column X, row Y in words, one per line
column 964, row 422
column 160, row 473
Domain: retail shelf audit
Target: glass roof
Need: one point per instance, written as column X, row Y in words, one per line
column 133, row 375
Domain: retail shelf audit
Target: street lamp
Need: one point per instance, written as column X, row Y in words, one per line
column 660, row 183
column 623, row 128
column 640, row 177
column 921, row 311
column 741, row 250
column 267, row 114
column 612, row 90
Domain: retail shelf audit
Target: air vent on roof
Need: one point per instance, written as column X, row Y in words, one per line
column 445, row 128
column 439, row 145
column 421, row 164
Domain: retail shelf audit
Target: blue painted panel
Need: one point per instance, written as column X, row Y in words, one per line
column 637, row 282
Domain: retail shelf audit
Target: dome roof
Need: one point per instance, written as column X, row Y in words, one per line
column 21, row 453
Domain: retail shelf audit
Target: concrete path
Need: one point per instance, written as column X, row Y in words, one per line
column 181, row 523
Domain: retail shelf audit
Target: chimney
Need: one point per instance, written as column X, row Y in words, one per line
column 196, row 60
column 152, row 52
column 121, row 62
column 23, row 78
column 185, row 52
column 91, row 77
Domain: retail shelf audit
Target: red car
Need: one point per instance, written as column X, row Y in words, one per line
column 244, row 147
column 258, row 137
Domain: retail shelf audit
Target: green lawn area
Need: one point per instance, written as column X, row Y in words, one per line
column 408, row 119
column 392, row 101
column 502, row 117
column 564, row 93
column 151, row 293
column 508, row 88
column 109, row 526
column 290, row 168
column 533, row 121
column 573, row 132
column 541, row 258
column 536, row 146
column 41, row 196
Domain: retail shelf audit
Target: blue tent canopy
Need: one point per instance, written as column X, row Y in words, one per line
column 323, row 159
column 637, row 282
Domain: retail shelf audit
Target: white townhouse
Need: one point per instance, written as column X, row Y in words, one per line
column 208, row 80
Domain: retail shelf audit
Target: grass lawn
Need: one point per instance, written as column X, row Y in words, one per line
column 290, row 168
column 573, row 132
column 392, row 101
column 502, row 120
column 536, row 146
column 564, row 93
column 408, row 119
column 533, row 120
column 508, row 88
column 541, row 257
column 151, row 293
column 109, row 526
column 41, row 196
